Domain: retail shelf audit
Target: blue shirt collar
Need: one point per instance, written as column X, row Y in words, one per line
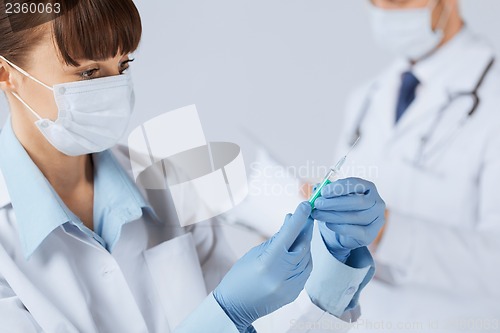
column 39, row 209
column 117, row 200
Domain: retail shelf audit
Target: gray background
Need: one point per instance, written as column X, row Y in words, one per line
column 278, row 70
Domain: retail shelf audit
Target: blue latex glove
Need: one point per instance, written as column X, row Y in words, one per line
column 350, row 214
column 270, row 275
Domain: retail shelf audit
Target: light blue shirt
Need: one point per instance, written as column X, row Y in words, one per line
column 40, row 210
column 333, row 286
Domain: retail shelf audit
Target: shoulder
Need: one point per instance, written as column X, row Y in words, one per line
column 489, row 97
column 492, row 80
column 386, row 74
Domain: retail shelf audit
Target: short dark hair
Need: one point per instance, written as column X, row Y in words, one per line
column 85, row 29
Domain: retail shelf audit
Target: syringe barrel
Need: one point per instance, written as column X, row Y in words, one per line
column 330, row 177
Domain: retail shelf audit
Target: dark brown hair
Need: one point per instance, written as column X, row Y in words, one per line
column 85, row 29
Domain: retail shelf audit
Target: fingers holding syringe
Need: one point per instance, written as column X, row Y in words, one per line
column 350, row 200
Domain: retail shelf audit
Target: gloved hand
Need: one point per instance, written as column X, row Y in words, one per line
column 270, row 275
column 350, row 214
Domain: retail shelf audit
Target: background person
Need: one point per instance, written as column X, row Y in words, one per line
column 430, row 124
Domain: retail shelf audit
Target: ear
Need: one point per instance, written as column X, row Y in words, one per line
column 7, row 79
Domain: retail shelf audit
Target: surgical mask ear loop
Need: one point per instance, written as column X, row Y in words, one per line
column 22, row 71
column 26, row 105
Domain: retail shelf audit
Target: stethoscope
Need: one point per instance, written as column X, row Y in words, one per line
column 423, row 152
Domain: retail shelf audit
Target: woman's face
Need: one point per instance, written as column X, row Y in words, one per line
column 45, row 64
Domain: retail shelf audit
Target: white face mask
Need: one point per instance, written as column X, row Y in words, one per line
column 408, row 32
column 93, row 114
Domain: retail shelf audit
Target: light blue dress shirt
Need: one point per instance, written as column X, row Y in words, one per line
column 333, row 286
column 40, row 210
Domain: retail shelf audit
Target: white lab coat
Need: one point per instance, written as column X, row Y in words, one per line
column 156, row 276
column 439, row 258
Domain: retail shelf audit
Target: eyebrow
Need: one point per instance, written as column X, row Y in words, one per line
column 83, row 63
column 86, row 62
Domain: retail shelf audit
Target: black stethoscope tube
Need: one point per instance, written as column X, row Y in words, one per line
column 473, row 94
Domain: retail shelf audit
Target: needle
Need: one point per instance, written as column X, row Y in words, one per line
column 332, row 173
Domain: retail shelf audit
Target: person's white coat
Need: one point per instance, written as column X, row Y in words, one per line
column 439, row 258
column 156, row 279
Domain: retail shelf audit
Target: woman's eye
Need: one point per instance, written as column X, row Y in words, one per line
column 88, row 74
column 125, row 65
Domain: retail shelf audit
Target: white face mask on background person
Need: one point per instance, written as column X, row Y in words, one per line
column 93, row 115
column 408, row 32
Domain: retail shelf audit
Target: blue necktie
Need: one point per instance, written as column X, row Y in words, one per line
column 409, row 85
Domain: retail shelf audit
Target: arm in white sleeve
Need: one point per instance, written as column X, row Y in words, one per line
column 335, row 287
column 207, row 318
column 215, row 259
column 13, row 315
column 356, row 105
column 449, row 257
column 330, row 301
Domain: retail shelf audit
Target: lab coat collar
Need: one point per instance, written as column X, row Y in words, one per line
column 432, row 67
column 454, row 69
column 39, row 209
column 458, row 65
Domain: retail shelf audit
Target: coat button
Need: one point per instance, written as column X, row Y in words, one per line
column 108, row 271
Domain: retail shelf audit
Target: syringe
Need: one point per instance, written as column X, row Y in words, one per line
column 331, row 176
